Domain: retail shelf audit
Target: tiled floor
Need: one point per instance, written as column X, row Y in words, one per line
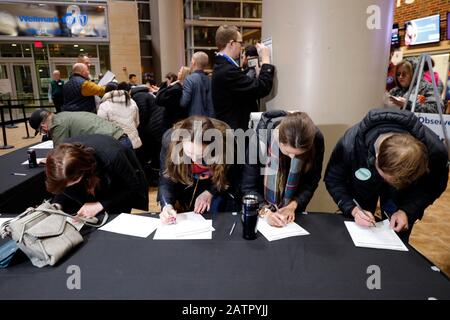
column 431, row 236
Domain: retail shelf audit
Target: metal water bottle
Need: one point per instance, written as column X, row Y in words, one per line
column 32, row 160
column 250, row 206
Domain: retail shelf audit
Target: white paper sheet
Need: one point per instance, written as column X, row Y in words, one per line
column 44, row 145
column 379, row 237
column 164, row 233
column 38, row 160
column 268, row 43
column 108, row 77
column 274, row 233
column 189, row 225
column 132, row 225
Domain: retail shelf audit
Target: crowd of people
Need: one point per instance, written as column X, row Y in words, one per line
column 103, row 146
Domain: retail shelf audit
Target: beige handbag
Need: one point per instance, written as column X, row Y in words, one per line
column 45, row 234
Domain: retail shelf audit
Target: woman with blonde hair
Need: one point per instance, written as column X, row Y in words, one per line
column 425, row 100
column 193, row 175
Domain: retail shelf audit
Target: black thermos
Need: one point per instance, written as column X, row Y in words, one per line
column 250, row 206
column 32, row 161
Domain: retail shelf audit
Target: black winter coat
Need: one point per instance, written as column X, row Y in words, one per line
column 169, row 98
column 235, row 94
column 145, row 102
column 355, row 150
column 122, row 181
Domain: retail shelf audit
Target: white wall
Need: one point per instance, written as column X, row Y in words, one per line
column 329, row 64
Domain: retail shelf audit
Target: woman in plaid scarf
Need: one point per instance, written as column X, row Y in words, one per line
column 292, row 171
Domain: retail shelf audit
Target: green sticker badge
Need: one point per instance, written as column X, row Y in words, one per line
column 363, row 174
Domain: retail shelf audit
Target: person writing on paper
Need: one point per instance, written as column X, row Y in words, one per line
column 88, row 174
column 295, row 152
column 389, row 156
column 193, row 174
column 426, row 101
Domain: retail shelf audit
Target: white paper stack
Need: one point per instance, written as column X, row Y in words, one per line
column 44, row 145
column 189, row 226
column 132, row 225
column 38, row 160
column 274, row 233
column 379, row 237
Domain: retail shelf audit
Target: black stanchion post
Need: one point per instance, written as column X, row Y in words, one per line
column 26, row 123
column 5, row 142
column 11, row 124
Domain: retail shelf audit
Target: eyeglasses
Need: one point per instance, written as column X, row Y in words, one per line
column 241, row 42
column 403, row 74
column 41, row 130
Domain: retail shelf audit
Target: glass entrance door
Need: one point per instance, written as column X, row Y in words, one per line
column 23, row 82
column 5, row 83
column 17, row 80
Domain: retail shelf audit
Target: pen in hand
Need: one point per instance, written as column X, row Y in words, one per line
column 362, row 211
column 172, row 219
column 387, row 216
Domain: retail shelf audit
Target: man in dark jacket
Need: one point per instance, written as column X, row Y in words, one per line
column 197, row 97
column 234, row 93
column 151, row 130
column 80, row 92
column 145, row 102
column 388, row 155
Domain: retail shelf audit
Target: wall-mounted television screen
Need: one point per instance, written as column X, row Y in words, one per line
column 395, row 36
column 423, row 30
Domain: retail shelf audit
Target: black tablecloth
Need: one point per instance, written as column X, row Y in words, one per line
column 323, row 265
column 20, row 192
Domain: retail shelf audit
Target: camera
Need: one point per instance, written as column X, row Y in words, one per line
column 253, row 62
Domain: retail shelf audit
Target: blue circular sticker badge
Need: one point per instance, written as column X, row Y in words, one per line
column 363, row 174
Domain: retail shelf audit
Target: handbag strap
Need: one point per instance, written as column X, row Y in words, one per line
column 85, row 220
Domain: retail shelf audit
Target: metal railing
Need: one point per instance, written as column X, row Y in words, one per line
column 21, row 105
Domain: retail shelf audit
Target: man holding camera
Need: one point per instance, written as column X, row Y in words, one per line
column 234, row 93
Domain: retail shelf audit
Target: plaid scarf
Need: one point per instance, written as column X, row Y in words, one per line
column 274, row 177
